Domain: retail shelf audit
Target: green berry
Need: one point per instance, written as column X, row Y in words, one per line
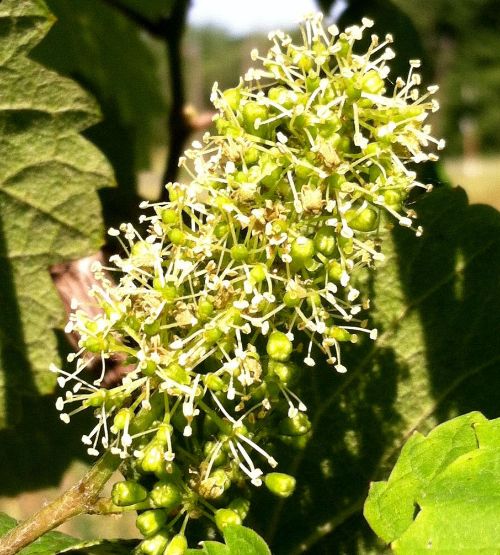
column 148, row 368
column 279, row 347
column 282, row 485
column 128, row 493
column 150, row 522
column 226, row 517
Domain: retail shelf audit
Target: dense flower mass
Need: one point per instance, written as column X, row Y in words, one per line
column 245, row 277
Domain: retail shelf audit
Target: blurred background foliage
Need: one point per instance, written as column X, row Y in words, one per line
column 152, row 74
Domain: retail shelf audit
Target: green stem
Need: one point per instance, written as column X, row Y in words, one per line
column 79, row 499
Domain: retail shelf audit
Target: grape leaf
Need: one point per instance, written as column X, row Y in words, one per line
column 444, row 491
column 50, row 211
column 48, row 544
column 435, row 301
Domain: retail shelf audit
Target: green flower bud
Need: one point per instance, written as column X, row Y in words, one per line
column 212, row 335
column 155, row 545
column 233, row 98
column 282, row 485
column 252, row 112
column 96, row 344
column 284, row 371
column 205, row 309
column 165, row 495
column 177, row 237
column 335, row 270
column 226, row 517
column 324, row 240
column 153, row 457
column 366, row 220
column 239, row 253
column 221, row 230
column 148, row 368
column 338, row 333
column 372, row 82
column 121, row 418
column 214, row 382
column 279, row 347
column 296, row 426
column 169, row 216
column 292, row 299
column 150, row 522
column 302, row 249
column 178, row 374
column 258, row 273
column 240, row 506
column 178, row 545
column 98, row 398
column 128, row 493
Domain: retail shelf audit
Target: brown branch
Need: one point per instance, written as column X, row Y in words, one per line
column 79, row 499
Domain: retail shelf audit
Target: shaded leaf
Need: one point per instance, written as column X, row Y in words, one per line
column 48, row 544
column 50, row 212
column 124, row 68
column 102, row 547
column 452, row 492
column 435, row 301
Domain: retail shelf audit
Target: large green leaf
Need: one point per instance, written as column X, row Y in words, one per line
column 435, row 301
column 48, row 544
column 50, row 211
column 443, row 494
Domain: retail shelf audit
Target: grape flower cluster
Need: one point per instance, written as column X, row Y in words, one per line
column 245, row 278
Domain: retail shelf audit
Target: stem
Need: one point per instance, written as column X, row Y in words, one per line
column 170, row 30
column 79, row 499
